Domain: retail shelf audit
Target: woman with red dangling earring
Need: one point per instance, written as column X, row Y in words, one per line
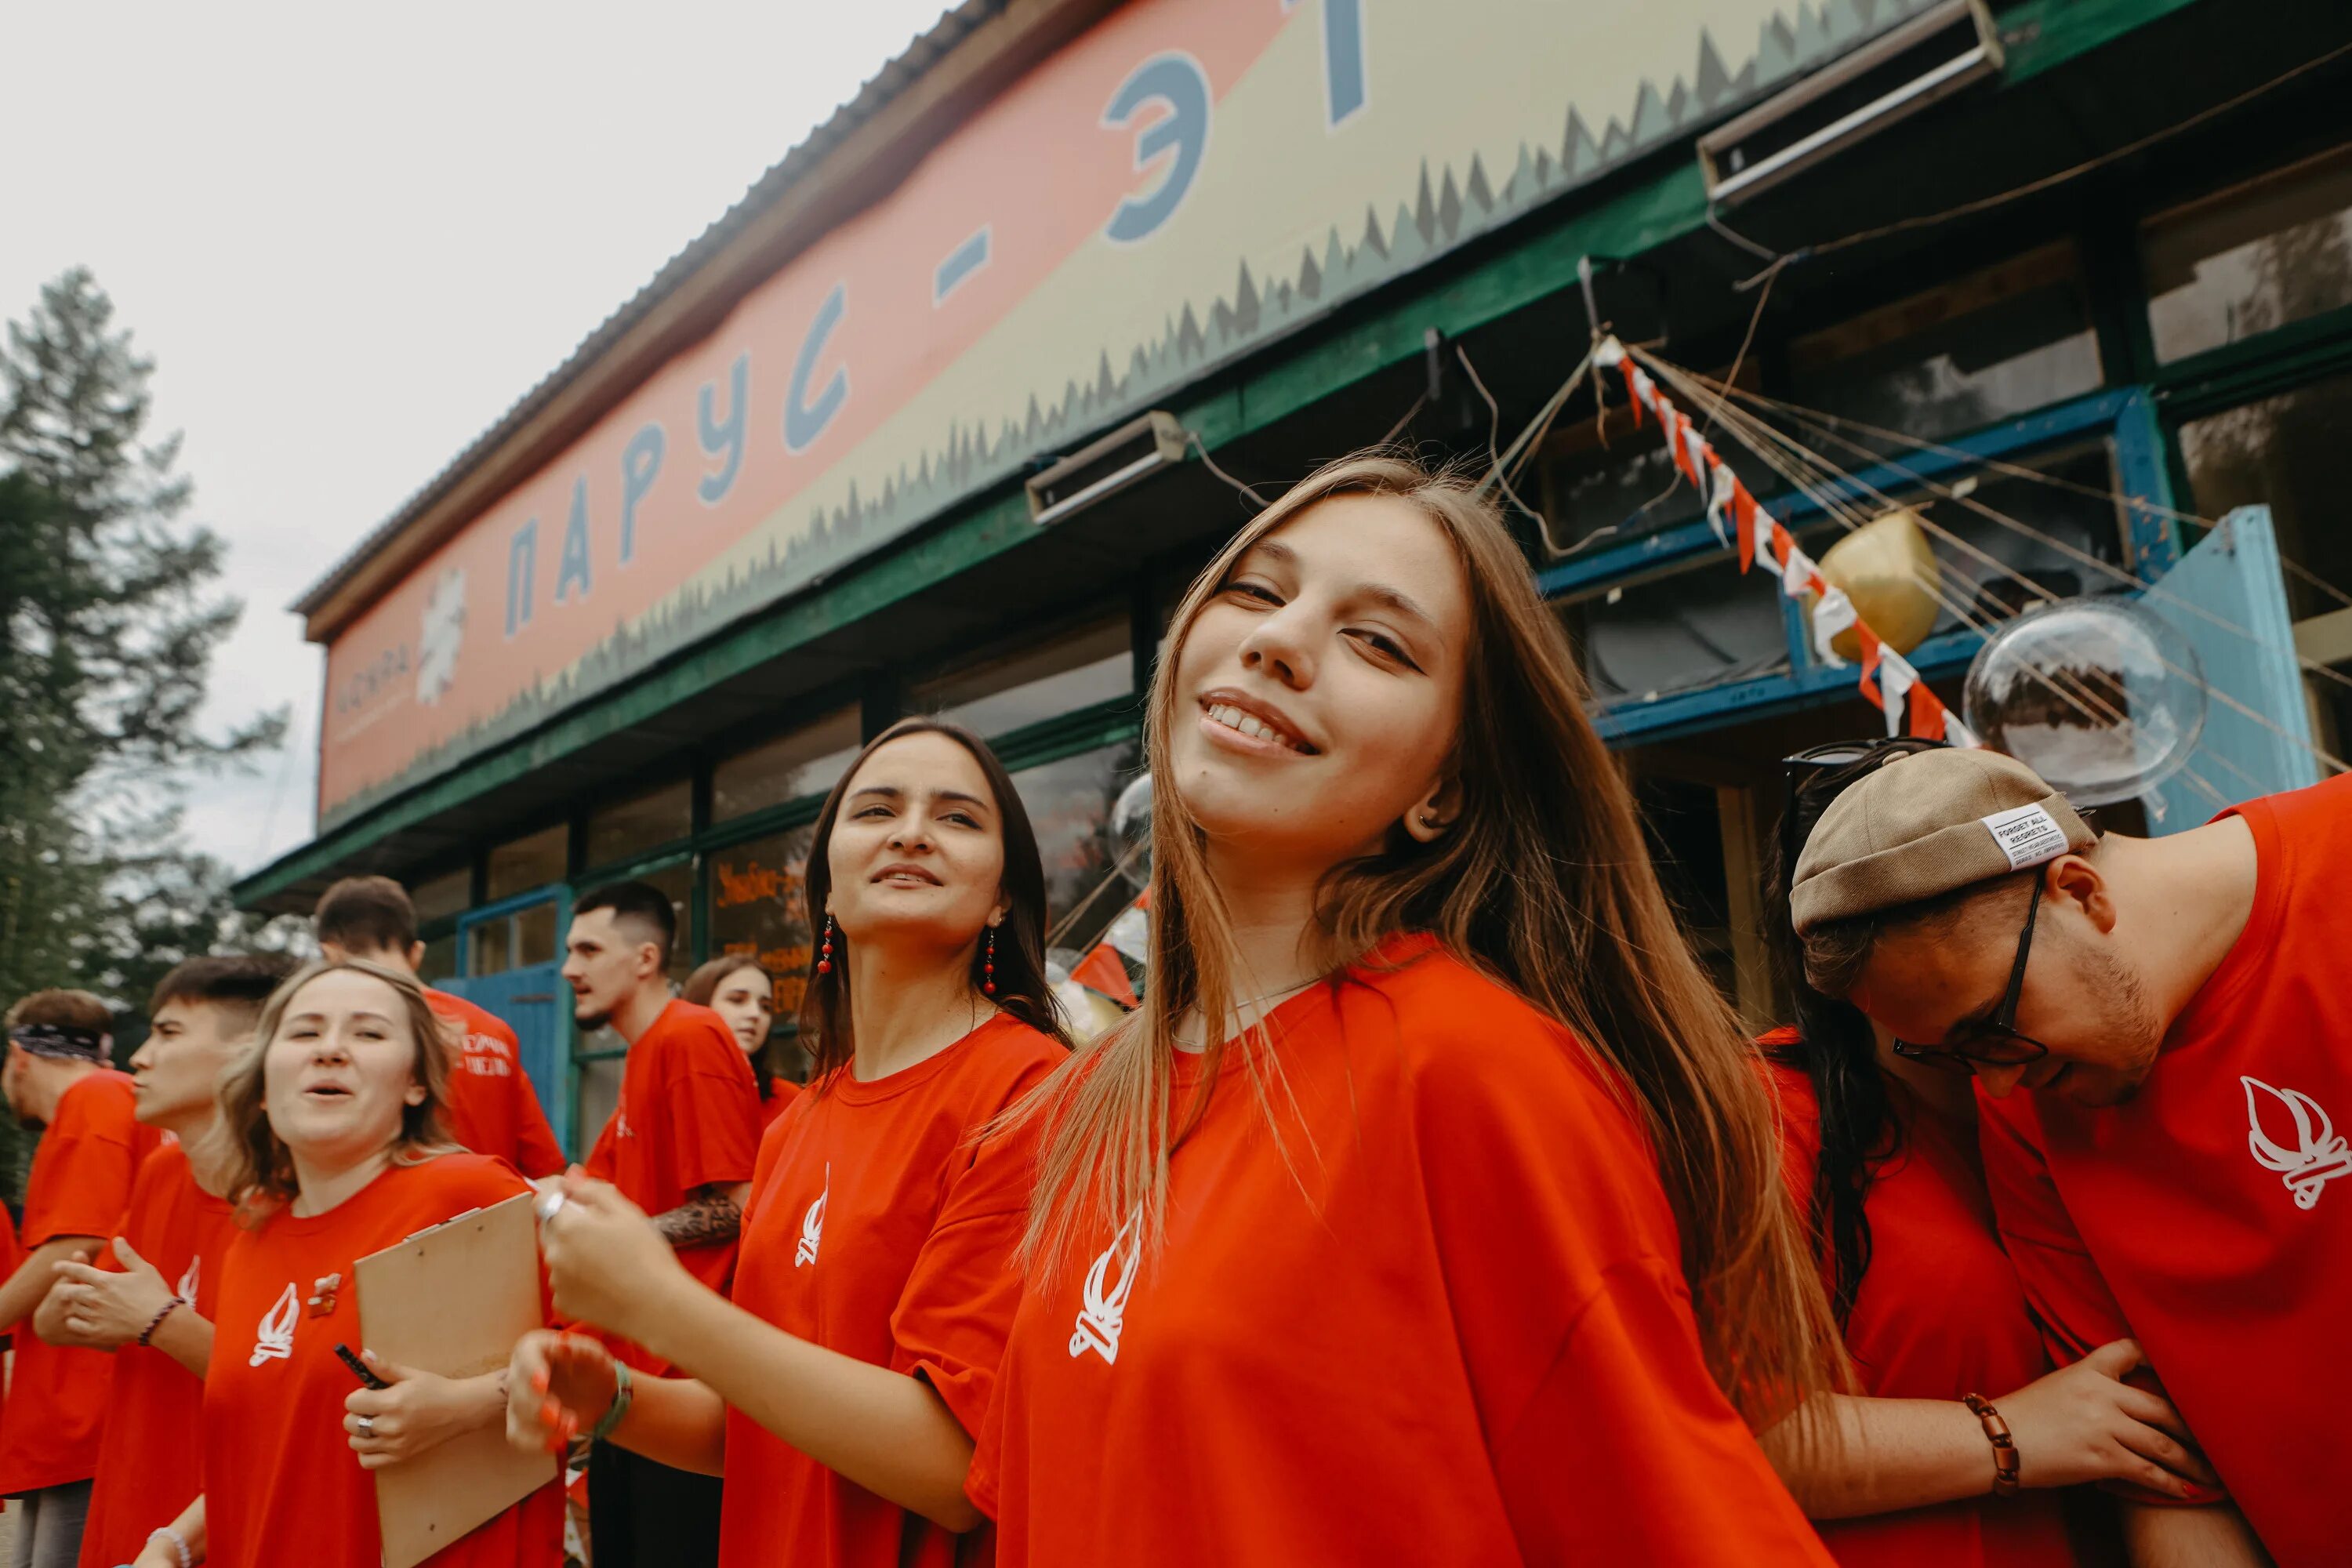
column 837, row 1388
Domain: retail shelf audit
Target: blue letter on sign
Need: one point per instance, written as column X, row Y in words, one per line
column 726, row 435
column 571, row 570
column 1177, row 80
column 522, row 573
column 640, row 462
column 805, row 421
column 1343, row 58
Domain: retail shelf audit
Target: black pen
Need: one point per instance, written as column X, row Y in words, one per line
column 360, row 1368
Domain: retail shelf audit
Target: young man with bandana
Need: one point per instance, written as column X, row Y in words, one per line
column 2164, row 1072
column 57, row 1077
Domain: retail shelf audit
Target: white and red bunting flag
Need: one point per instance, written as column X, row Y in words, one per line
column 1887, row 680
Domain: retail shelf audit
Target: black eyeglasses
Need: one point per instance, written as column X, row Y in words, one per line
column 1995, row 1042
column 1818, row 775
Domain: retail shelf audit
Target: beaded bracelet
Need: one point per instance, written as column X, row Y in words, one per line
column 179, row 1544
column 148, row 1333
column 2004, row 1447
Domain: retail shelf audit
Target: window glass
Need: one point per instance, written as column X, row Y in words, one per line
column 2286, row 453
column 809, row 761
column 2275, row 250
column 1069, row 805
column 437, row 898
column 1045, row 681
column 2002, row 342
column 1700, row 626
column 493, row 948
column 758, row 907
column 643, row 821
column 525, row 863
column 534, row 934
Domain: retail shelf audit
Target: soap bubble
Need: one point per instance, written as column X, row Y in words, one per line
column 2101, row 697
column 1130, row 825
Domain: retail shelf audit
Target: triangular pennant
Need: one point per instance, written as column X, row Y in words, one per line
column 1870, row 652
column 1896, row 681
column 1927, row 711
column 1633, row 388
column 1796, row 573
column 1834, row 614
column 1783, row 542
column 1743, row 521
column 1720, row 498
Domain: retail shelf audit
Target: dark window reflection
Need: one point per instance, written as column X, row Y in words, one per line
column 2286, row 453
column 1698, row 628
column 1069, row 805
column 2275, row 250
column 1999, row 343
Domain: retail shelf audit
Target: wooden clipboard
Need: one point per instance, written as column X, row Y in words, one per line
column 453, row 1301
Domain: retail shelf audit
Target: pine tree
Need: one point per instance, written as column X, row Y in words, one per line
column 108, row 620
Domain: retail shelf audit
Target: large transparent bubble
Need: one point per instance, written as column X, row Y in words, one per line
column 1130, row 825
column 2101, row 697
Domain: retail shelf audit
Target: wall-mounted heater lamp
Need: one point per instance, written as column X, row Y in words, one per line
column 1105, row 466
column 1896, row 75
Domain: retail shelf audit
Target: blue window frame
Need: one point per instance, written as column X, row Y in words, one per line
column 2123, row 418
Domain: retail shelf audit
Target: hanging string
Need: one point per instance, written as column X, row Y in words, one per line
column 1827, row 426
column 1677, row 376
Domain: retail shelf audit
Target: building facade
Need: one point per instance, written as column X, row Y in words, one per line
column 946, row 413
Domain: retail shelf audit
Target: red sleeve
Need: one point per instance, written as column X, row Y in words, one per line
column 83, row 1171
column 2062, row 1284
column 712, row 1109
column 2064, row 1287
column 1607, row 1433
column 537, row 1153
column 956, row 1311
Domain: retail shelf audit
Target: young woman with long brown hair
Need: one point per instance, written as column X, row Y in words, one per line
column 1429, row 1206
column 838, row 1392
column 738, row 988
column 330, row 1131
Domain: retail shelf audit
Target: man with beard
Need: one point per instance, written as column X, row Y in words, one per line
column 2171, row 1172
column 680, row 1145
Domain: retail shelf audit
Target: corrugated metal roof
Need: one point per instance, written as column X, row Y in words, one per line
column 896, row 76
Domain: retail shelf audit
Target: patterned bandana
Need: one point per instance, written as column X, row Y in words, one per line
column 61, row 1040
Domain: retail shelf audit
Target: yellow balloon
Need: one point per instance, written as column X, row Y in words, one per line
column 1888, row 569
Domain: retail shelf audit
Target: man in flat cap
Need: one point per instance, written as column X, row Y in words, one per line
column 2172, row 1170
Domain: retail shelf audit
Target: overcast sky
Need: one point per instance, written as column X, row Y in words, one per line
column 352, row 239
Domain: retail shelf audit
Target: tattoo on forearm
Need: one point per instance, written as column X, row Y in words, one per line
column 700, row 1222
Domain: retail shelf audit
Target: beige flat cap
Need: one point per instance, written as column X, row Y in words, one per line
column 1927, row 825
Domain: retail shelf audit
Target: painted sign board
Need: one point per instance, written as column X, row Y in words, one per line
column 1185, row 181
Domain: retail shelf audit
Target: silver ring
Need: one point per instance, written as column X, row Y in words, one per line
column 367, row 1426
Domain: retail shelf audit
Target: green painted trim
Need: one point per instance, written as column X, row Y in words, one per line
column 2047, row 34
column 2277, row 360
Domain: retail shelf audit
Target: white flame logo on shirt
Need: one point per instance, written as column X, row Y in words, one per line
column 2317, row 1155
column 1104, row 1317
column 186, row 1289
column 812, row 1224
column 274, row 1340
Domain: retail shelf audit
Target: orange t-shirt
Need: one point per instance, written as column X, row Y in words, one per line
column 492, row 1108
column 688, row 1116
column 282, row 1483
column 81, row 1182
column 2210, row 1217
column 875, row 1229
column 1443, row 1318
column 782, row 1092
column 150, row 1458
column 1939, row 1314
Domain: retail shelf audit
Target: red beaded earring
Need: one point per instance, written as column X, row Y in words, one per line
column 824, row 954
column 988, row 964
